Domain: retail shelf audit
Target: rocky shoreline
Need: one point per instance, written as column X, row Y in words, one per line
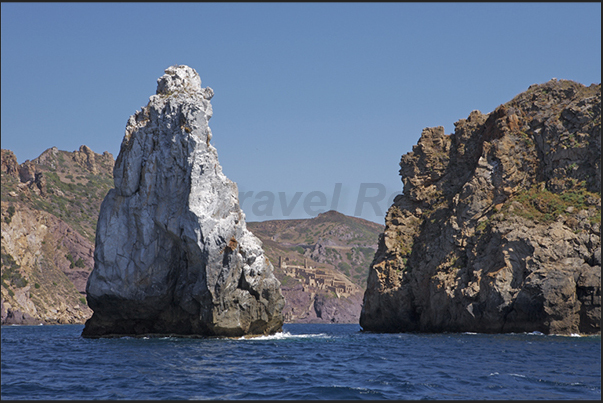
column 498, row 228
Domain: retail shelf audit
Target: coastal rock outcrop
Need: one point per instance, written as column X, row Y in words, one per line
column 498, row 227
column 173, row 254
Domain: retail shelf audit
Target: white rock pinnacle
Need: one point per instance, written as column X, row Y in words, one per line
column 173, row 254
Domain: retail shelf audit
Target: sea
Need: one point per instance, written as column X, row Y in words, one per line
column 303, row 362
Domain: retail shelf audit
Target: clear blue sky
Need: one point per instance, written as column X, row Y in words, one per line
column 307, row 95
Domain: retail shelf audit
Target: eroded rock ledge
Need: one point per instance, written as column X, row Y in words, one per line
column 498, row 227
column 173, row 254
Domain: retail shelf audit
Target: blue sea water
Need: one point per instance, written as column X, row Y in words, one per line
column 305, row 361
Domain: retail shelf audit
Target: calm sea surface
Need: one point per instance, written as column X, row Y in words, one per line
column 304, row 362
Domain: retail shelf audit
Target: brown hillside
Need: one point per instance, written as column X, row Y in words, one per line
column 49, row 210
column 340, row 246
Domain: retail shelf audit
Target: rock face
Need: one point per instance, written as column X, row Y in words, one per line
column 305, row 306
column 498, row 227
column 49, row 210
column 173, row 254
column 38, row 286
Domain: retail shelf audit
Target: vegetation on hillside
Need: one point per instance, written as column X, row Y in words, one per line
column 71, row 191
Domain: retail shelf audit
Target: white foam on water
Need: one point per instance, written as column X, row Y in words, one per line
column 568, row 335
column 537, row 333
column 285, row 335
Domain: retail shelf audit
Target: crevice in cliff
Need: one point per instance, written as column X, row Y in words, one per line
column 244, row 285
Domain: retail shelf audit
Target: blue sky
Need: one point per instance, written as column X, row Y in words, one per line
column 307, row 95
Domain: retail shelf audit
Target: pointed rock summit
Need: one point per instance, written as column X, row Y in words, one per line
column 173, row 254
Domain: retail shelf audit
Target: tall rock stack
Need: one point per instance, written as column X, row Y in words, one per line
column 173, row 254
column 499, row 225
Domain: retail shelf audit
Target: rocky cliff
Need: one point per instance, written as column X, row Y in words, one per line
column 498, row 226
column 172, row 252
column 49, row 210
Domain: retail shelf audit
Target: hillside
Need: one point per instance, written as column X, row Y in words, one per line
column 340, row 246
column 49, row 210
column 498, row 228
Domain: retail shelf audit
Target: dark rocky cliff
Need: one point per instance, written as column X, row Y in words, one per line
column 498, row 227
